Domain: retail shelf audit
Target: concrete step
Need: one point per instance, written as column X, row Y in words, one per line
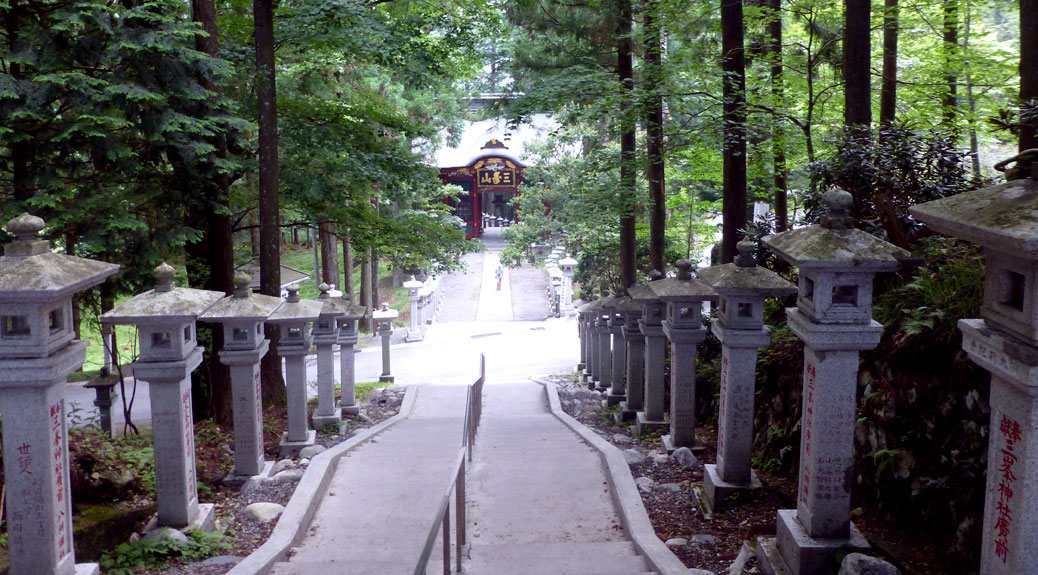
column 342, row 568
column 600, row 558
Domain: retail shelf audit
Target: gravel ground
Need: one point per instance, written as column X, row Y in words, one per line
column 247, row 534
column 529, row 293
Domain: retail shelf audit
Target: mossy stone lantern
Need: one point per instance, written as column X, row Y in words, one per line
column 583, row 315
column 742, row 287
column 618, row 349
column 654, row 310
column 684, row 296
column 294, row 319
column 38, row 351
column 634, row 360
column 165, row 319
column 606, row 312
column 241, row 316
column 593, row 336
column 348, row 337
column 1003, row 219
column 833, row 317
column 326, row 337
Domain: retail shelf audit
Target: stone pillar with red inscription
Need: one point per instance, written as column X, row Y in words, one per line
column 742, row 287
column 165, row 319
column 38, row 351
column 241, row 316
column 833, row 316
column 1005, row 342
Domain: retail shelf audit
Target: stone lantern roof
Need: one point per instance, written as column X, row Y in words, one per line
column 684, row 287
column 332, row 306
column 609, row 302
column 295, row 310
column 165, row 304
column 1003, row 217
column 745, row 278
column 31, row 273
column 641, row 293
column 242, row 304
column 836, row 245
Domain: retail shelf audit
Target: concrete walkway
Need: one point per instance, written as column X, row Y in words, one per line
column 539, row 499
column 383, row 497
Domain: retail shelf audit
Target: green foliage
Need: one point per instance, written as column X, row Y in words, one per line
column 363, row 389
column 97, row 454
column 950, row 286
column 151, row 553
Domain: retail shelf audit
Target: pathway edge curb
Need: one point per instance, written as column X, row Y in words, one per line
column 625, row 493
column 303, row 504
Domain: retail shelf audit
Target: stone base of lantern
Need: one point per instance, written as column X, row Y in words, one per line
column 333, row 418
column 413, row 335
column 350, row 409
column 644, row 425
column 386, row 378
column 88, row 569
column 235, row 481
column 292, row 448
column 716, row 490
column 792, row 551
column 581, row 366
column 204, row 520
column 668, row 444
column 615, row 398
column 625, row 414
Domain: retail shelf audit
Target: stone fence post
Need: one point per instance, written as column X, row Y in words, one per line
column 294, row 319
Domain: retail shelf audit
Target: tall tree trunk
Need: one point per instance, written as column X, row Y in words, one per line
column 347, row 267
column 625, row 68
column 329, row 253
column 1028, row 68
column 970, row 100
column 365, row 290
column 949, row 101
column 857, row 109
column 21, row 151
column 374, row 284
column 779, row 169
column 213, row 254
column 270, row 234
column 654, row 138
column 733, row 65
column 888, row 90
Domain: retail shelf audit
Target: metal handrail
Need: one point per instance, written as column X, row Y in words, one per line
column 473, row 413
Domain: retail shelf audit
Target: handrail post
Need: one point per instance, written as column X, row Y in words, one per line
column 460, row 503
column 447, row 540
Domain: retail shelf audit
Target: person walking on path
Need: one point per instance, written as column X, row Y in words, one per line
column 499, row 273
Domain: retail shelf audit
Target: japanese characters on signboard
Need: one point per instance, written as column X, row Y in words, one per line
column 495, row 172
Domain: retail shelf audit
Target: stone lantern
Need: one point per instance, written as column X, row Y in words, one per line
column 583, row 317
column 742, row 288
column 348, row 336
column 293, row 319
column 833, row 317
column 606, row 310
column 617, row 317
column 1004, row 220
column 326, row 337
column 414, row 332
column 241, row 315
column 38, row 351
column 384, row 320
column 650, row 325
column 684, row 296
column 634, row 366
column 165, row 320
column 594, row 349
column 568, row 265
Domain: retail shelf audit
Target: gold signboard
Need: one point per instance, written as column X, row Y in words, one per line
column 495, row 172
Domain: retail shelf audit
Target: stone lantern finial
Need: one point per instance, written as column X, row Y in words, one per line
column 293, row 293
column 684, row 269
column 655, row 275
column 26, row 229
column 745, row 258
column 241, row 285
column 839, row 203
column 164, row 277
column 324, row 289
